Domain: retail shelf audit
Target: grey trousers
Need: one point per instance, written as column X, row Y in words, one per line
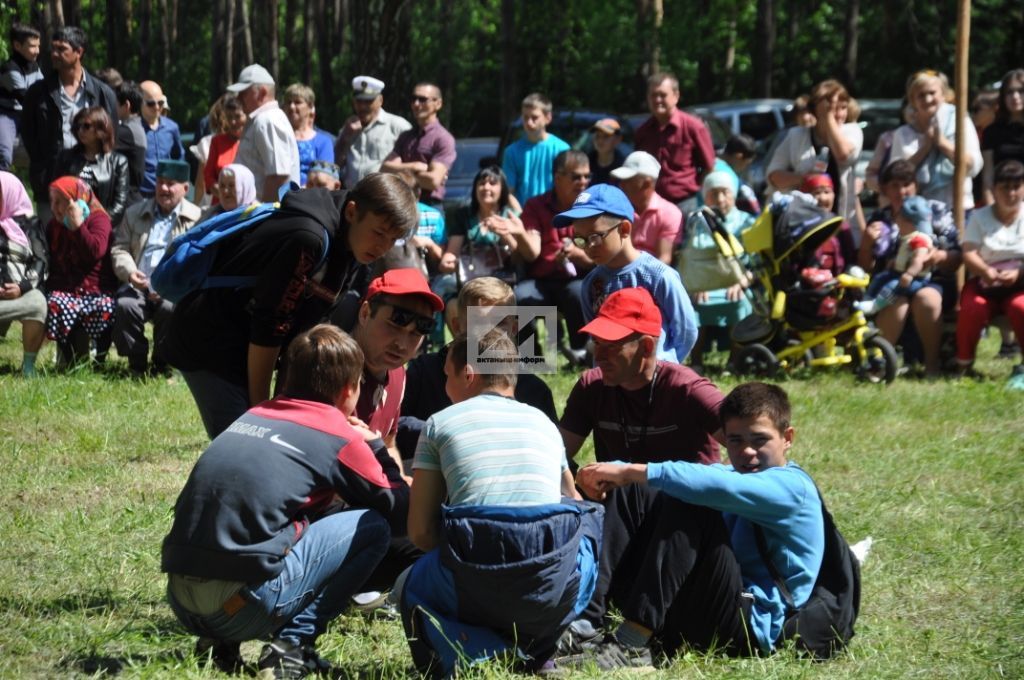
column 130, row 317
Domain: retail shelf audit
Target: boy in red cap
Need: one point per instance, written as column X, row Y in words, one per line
column 639, row 410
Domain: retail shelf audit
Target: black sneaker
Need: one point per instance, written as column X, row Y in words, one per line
column 612, row 654
column 579, row 638
column 282, row 659
column 224, row 655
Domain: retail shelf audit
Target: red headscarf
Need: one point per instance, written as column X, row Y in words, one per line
column 812, row 182
column 74, row 188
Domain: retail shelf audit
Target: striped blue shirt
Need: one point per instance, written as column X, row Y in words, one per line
column 493, row 451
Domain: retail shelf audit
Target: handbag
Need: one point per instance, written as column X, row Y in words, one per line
column 478, row 260
column 704, row 269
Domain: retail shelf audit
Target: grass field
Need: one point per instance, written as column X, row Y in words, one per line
column 91, row 465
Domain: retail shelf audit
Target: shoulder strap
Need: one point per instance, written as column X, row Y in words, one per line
column 780, row 583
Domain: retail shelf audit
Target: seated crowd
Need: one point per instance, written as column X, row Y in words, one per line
column 395, row 464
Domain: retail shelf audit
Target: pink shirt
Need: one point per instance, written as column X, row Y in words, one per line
column 661, row 220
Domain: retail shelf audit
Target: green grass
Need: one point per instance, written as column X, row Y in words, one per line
column 91, row 465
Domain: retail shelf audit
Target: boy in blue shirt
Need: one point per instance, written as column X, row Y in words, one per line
column 692, row 573
column 602, row 218
column 528, row 161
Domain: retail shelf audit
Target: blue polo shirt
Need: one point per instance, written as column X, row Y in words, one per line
column 163, row 142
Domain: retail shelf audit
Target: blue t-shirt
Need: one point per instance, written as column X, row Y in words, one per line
column 161, row 143
column 431, row 224
column 320, row 148
column 527, row 166
column 678, row 320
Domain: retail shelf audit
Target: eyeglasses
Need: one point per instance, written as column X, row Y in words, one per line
column 81, row 126
column 420, row 99
column 156, row 102
column 576, row 176
column 403, row 317
column 595, row 239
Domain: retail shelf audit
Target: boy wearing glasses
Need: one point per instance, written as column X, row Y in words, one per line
column 163, row 138
column 602, row 220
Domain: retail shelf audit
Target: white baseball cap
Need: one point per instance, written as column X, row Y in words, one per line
column 253, row 74
column 638, row 163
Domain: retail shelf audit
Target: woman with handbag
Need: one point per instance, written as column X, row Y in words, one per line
column 486, row 234
column 714, row 279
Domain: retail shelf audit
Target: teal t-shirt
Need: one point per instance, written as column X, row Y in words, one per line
column 528, row 166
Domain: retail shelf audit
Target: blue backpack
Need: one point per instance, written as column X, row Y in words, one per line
column 186, row 265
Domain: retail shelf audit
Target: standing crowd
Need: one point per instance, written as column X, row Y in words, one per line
column 350, row 463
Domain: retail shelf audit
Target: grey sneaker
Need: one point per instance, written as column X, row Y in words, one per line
column 612, row 654
column 376, row 605
column 283, row 659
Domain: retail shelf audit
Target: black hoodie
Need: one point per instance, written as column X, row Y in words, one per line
column 212, row 329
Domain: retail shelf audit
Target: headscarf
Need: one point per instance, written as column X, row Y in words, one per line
column 15, row 203
column 718, row 180
column 245, row 183
column 812, row 182
column 75, row 189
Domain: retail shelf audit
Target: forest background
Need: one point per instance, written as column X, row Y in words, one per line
column 487, row 54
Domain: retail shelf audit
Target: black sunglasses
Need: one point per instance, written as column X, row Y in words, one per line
column 403, row 317
column 420, row 99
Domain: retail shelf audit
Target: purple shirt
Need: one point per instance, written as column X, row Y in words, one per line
column 431, row 144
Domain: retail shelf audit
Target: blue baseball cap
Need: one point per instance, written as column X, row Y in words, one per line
column 597, row 200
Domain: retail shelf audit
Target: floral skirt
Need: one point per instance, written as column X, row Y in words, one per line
column 94, row 311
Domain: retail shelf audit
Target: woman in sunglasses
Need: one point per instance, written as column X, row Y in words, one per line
column 95, row 162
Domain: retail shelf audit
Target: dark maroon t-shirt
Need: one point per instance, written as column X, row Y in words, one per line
column 675, row 421
column 379, row 403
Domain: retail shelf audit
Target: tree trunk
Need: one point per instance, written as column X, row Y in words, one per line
column 325, row 54
column 145, row 40
column 73, row 13
column 509, row 53
column 729, row 67
column 165, row 40
column 57, row 13
column 764, row 40
column 218, row 70
column 308, row 20
column 381, row 34
column 229, row 39
column 848, row 69
column 246, row 31
column 273, row 37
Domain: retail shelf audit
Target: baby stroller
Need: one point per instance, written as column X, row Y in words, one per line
column 803, row 315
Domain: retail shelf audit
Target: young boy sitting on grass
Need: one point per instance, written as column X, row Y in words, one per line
column 695, row 573
column 527, row 161
column 602, row 219
column 253, row 553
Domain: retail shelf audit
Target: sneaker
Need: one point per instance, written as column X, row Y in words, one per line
column 374, row 604
column 225, row 655
column 612, row 654
column 283, row 659
column 579, row 638
column 1016, row 381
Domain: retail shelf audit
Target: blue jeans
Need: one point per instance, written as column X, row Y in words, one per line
column 328, row 564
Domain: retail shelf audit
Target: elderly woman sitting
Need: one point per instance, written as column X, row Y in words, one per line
column 23, row 259
column 994, row 256
column 719, row 309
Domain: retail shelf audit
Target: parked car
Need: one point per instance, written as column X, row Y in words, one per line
column 720, row 132
column 473, row 153
column 759, row 118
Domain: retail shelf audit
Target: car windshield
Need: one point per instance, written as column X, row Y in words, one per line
column 470, row 155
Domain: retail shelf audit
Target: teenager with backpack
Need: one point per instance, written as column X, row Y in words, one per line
column 288, row 269
column 736, row 557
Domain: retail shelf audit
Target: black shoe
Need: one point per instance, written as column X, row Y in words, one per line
column 580, row 637
column 612, row 654
column 1008, row 350
column 282, row 659
column 225, row 655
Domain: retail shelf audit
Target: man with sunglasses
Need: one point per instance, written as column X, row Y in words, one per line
column 51, row 104
column 553, row 261
column 639, row 410
column 163, row 137
column 601, row 220
column 428, row 149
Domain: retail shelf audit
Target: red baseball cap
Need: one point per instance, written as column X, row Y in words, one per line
column 406, row 281
column 626, row 311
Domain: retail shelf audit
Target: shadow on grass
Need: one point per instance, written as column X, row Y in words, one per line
column 84, row 602
column 98, row 664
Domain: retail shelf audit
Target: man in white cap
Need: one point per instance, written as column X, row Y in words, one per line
column 268, row 145
column 656, row 230
column 369, row 135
